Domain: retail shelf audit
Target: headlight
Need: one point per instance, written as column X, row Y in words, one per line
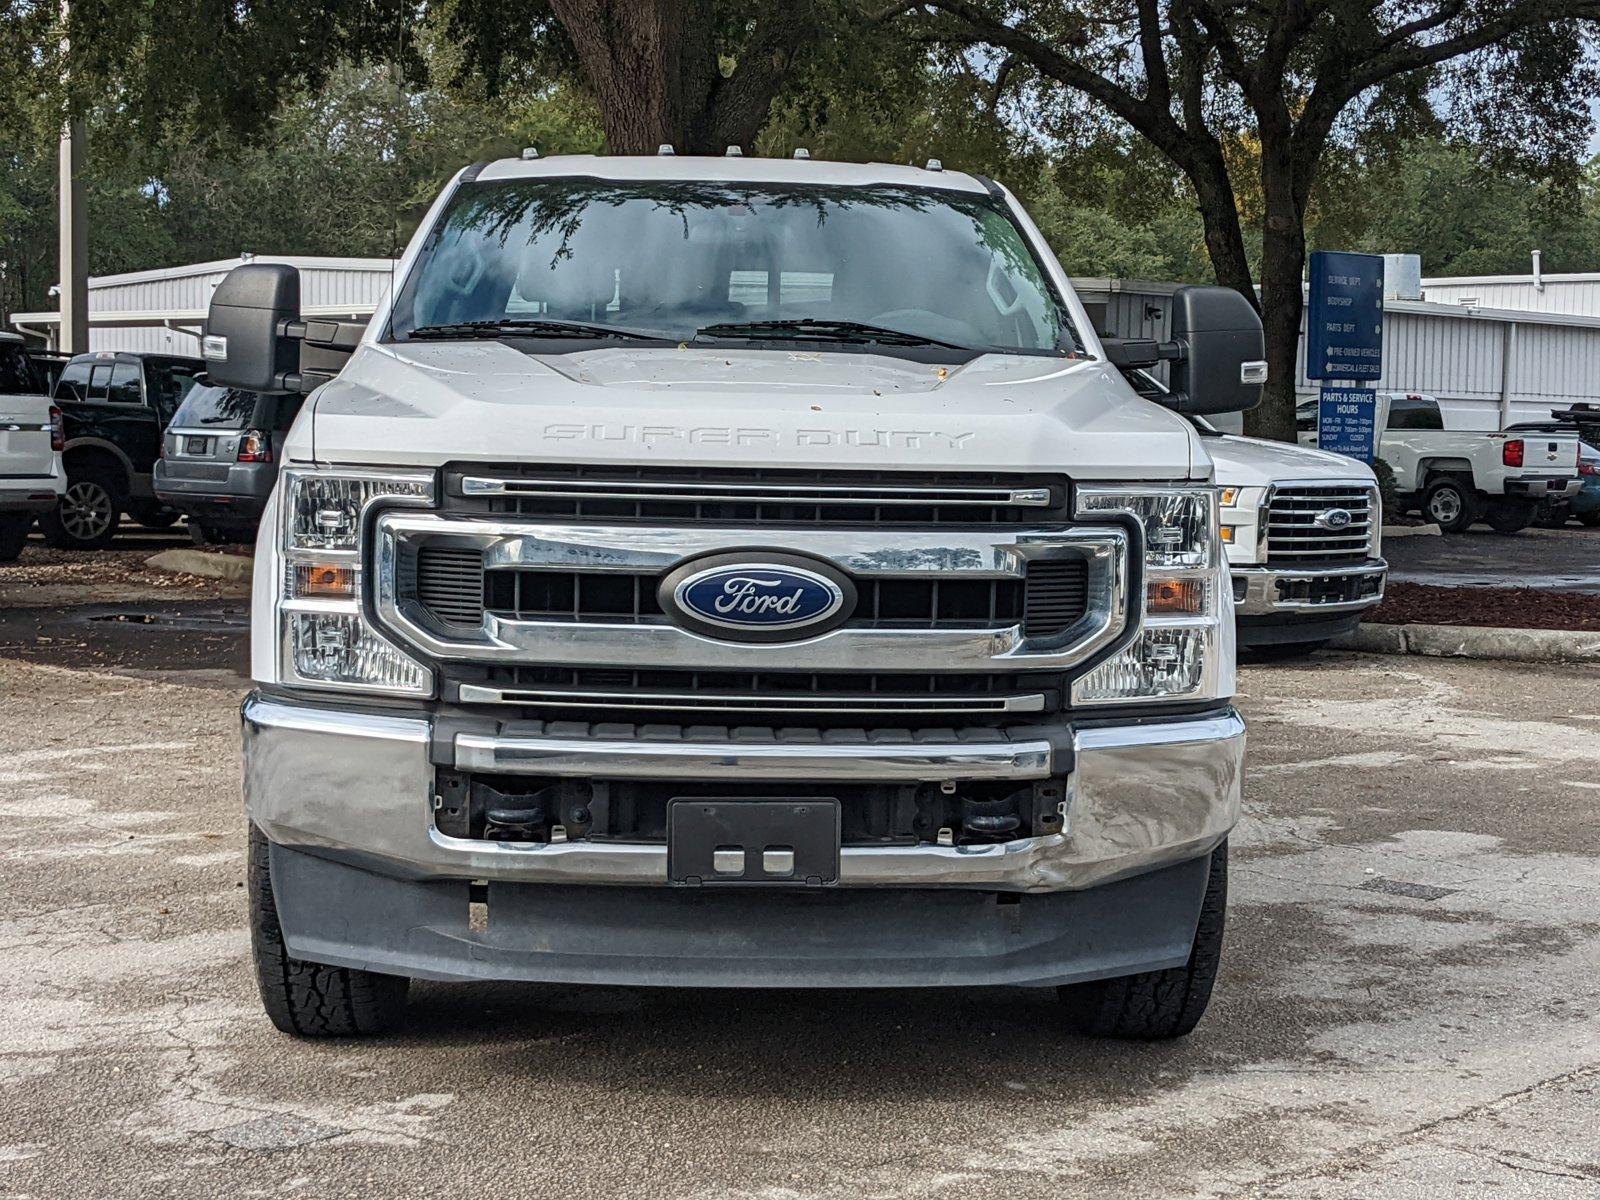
column 324, row 638
column 1181, row 652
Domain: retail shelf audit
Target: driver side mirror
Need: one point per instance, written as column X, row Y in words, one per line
column 1221, row 362
column 256, row 340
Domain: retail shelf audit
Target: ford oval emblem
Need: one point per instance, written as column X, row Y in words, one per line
column 758, row 597
column 1333, row 518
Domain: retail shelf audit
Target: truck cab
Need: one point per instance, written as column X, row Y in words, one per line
column 31, row 479
column 116, row 405
column 736, row 572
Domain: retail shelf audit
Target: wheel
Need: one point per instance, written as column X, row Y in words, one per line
column 1510, row 516
column 1452, row 505
column 310, row 999
column 152, row 515
column 13, row 533
column 1283, row 651
column 1157, row 1005
column 85, row 518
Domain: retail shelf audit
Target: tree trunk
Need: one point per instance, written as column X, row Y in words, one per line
column 1219, row 213
column 655, row 72
column 650, row 63
column 1283, row 264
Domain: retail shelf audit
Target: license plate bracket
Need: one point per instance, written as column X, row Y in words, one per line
column 730, row 842
column 197, row 445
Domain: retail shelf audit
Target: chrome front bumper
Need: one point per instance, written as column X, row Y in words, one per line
column 359, row 787
column 1289, row 590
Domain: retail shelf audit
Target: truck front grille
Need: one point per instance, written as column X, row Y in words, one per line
column 760, row 691
column 1298, row 528
column 753, row 496
column 453, row 587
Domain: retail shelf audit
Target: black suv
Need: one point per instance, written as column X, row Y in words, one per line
column 115, row 405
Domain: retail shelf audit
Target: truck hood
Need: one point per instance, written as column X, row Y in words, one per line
column 423, row 404
column 1254, row 462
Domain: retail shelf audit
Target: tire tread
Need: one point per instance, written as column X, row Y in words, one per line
column 1159, row 1005
column 310, row 999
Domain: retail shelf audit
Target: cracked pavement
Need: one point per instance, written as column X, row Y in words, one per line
column 1366, row 1040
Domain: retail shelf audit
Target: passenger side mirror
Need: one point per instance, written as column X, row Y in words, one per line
column 1221, row 364
column 256, row 340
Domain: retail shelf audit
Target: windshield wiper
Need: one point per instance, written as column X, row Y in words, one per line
column 534, row 327
column 811, row 329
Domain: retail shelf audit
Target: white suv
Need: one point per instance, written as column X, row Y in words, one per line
column 31, row 439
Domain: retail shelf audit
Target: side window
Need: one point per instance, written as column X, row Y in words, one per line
column 73, row 383
column 124, row 385
column 1415, row 414
column 100, row 382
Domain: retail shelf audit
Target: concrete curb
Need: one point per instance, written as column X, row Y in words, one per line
column 234, row 568
column 1466, row 641
column 1404, row 531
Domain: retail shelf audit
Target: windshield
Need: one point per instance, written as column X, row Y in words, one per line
column 675, row 259
column 207, row 405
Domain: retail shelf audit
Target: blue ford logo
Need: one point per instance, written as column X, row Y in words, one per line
column 1333, row 518
column 758, row 598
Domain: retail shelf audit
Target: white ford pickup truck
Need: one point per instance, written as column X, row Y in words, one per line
column 1303, row 534
column 31, row 440
column 1458, row 477
column 735, row 572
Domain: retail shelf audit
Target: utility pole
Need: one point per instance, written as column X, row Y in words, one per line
column 74, row 227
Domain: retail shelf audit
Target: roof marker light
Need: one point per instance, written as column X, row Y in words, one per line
column 802, row 152
column 530, row 152
column 934, row 165
column 665, row 148
column 734, row 152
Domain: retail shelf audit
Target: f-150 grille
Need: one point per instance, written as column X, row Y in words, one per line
column 754, row 496
column 455, row 589
column 1324, row 523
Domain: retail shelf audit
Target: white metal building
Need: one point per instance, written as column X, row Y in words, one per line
column 1487, row 366
column 1575, row 295
column 162, row 310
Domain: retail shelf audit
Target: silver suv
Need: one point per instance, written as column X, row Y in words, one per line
column 219, row 459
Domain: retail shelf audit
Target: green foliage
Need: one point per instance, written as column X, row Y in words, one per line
column 1467, row 216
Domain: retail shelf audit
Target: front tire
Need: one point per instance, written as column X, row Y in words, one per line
column 1451, row 505
column 310, row 999
column 85, row 518
column 1155, row 1006
column 14, row 534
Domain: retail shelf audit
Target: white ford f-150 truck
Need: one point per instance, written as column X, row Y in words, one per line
column 734, row 572
column 1303, row 533
column 1457, row 478
column 31, row 440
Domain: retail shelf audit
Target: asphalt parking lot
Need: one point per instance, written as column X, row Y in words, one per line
column 1566, row 560
column 1408, row 1006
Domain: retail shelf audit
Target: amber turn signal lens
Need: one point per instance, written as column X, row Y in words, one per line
column 1227, row 535
column 1229, row 496
column 324, row 581
column 1174, row 597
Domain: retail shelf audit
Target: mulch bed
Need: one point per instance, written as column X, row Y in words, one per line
column 1498, row 608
